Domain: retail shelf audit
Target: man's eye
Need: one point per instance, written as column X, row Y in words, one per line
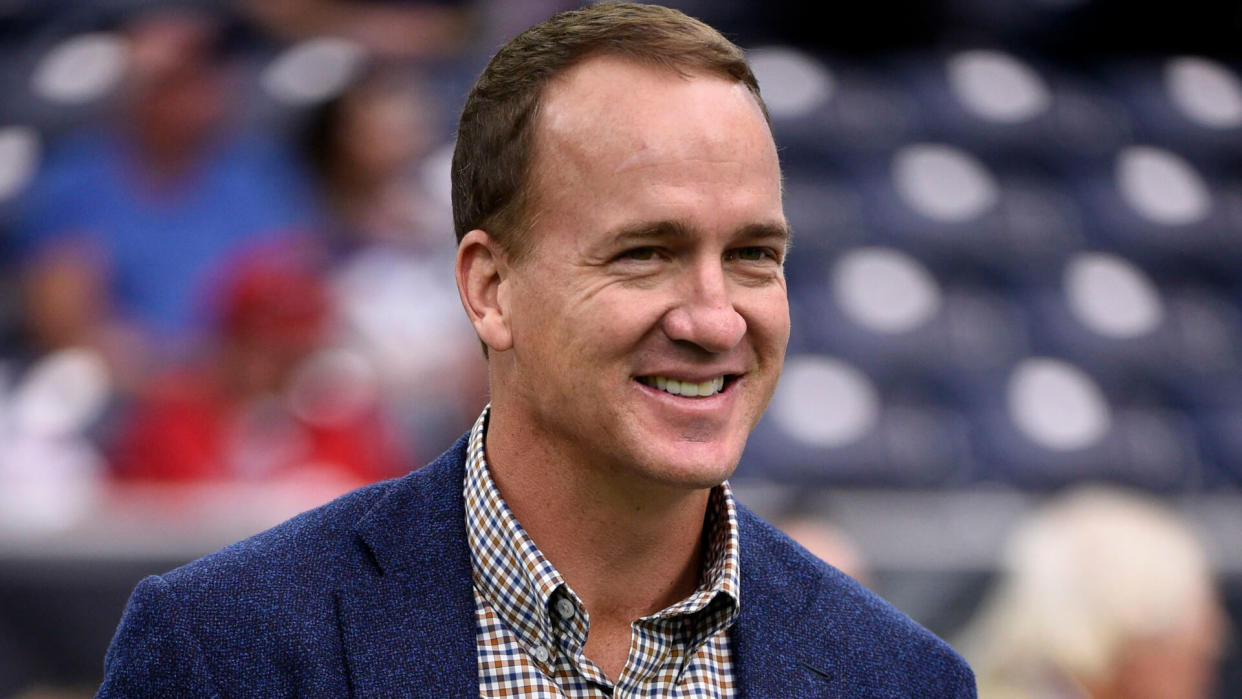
column 639, row 254
column 753, row 254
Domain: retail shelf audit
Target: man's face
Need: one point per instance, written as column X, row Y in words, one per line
column 654, row 274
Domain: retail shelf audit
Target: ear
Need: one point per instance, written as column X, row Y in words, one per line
column 480, row 273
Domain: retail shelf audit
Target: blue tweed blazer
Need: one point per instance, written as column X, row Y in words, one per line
column 370, row 596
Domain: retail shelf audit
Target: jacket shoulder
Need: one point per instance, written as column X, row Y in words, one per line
column 224, row 624
column 328, row 544
column 865, row 642
column 261, row 616
column 315, row 543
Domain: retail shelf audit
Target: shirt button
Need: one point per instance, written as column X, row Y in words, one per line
column 541, row 654
column 565, row 608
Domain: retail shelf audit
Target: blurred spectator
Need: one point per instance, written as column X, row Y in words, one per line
column 1104, row 595
column 49, row 464
column 392, row 250
column 363, row 146
column 123, row 225
column 391, row 28
column 271, row 400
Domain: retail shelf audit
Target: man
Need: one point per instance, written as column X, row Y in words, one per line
column 617, row 201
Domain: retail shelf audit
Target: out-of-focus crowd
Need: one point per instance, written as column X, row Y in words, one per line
column 193, row 293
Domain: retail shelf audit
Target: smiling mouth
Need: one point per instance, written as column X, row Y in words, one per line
column 687, row 389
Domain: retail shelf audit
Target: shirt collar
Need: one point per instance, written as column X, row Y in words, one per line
column 522, row 586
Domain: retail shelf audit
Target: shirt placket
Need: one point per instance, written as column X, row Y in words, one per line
column 573, row 625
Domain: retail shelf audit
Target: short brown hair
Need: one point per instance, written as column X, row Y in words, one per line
column 495, row 139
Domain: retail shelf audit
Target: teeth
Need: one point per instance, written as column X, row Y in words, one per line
column 686, row 388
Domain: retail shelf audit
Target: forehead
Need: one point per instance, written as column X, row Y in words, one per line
column 616, row 113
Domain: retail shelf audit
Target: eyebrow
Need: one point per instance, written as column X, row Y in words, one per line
column 649, row 231
column 777, row 230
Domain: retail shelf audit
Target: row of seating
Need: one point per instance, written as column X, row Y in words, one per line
column 1004, row 268
column 1008, row 271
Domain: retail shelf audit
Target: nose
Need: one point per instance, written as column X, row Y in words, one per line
column 704, row 314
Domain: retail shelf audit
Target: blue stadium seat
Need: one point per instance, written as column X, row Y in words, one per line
column 831, row 425
column 962, row 215
column 1046, row 424
column 1191, row 104
column 882, row 309
column 1003, row 106
column 1156, row 207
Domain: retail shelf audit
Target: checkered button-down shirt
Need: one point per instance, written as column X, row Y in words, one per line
column 532, row 627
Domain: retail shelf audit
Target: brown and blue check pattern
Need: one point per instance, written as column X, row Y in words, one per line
column 532, row 627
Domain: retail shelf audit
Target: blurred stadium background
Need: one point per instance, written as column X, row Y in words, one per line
column 225, row 293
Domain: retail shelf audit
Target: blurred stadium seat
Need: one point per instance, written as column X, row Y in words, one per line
column 831, row 424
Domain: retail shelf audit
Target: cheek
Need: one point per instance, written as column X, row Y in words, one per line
column 617, row 318
column 535, row 304
column 561, row 328
column 767, row 318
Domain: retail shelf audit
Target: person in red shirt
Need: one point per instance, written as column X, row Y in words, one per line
column 270, row 401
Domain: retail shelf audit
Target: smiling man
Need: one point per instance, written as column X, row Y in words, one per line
column 617, row 200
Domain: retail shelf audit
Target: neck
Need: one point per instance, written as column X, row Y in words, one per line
column 628, row 549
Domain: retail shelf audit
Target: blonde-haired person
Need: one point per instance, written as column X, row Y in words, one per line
column 1104, row 594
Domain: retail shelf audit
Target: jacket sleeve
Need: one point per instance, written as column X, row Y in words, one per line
column 968, row 688
column 154, row 652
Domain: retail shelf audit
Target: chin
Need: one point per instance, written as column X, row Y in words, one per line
column 695, row 466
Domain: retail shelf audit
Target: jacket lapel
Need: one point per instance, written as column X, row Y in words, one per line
column 776, row 651
column 408, row 623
